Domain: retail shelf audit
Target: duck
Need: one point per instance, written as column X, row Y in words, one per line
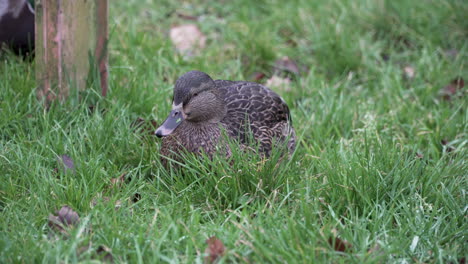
column 202, row 108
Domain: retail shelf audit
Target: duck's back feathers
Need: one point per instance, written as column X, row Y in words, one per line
column 252, row 106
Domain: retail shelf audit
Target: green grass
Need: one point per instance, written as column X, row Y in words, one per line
column 369, row 165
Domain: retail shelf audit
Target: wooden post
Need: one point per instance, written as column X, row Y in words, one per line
column 68, row 34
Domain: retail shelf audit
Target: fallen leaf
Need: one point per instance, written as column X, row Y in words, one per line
column 339, row 244
column 409, row 72
column 287, row 65
column 419, row 155
column 65, row 217
column 68, row 216
column 55, row 224
column 188, row 39
column 454, row 89
column 214, row 251
column 66, row 163
column 257, row 76
column 278, row 82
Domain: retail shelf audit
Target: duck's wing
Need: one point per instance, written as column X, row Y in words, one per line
column 252, row 106
column 259, row 102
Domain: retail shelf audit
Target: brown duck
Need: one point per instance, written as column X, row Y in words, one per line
column 203, row 107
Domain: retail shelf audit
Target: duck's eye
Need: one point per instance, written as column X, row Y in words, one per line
column 195, row 94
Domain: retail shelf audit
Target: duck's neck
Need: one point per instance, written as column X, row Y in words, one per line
column 219, row 111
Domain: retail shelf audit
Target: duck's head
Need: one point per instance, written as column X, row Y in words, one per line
column 196, row 100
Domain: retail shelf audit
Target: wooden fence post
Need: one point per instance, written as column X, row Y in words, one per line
column 68, row 34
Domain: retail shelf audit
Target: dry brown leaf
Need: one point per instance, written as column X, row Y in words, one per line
column 454, row 89
column 339, row 244
column 214, row 251
column 257, row 76
column 278, row 82
column 68, row 216
column 55, row 224
column 188, row 39
column 66, row 163
column 65, row 217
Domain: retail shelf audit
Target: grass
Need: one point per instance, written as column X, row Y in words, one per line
column 370, row 167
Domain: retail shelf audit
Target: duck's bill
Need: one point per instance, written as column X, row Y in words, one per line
column 174, row 119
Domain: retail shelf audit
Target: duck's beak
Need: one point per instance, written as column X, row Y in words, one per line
column 174, row 119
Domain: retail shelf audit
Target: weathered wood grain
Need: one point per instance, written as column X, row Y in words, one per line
column 71, row 40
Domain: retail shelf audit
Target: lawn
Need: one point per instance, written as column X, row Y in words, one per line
column 379, row 174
